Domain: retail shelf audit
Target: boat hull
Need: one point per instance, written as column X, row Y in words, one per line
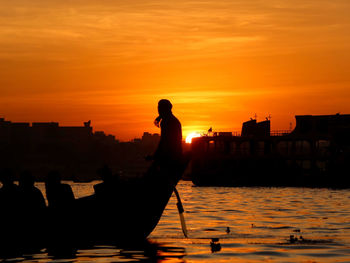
column 126, row 214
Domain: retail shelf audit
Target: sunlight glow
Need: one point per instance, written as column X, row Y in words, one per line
column 191, row 136
column 111, row 63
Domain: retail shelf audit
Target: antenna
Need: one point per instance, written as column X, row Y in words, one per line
column 255, row 116
column 210, row 131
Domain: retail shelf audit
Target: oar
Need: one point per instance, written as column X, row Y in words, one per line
column 181, row 212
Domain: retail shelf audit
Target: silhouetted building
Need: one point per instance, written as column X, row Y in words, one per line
column 315, row 153
column 253, row 128
column 321, row 124
column 4, row 131
column 104, row 138
column 42, row 146
column 41, row 132
column 76, row 151
column 224, row 134
column 248, row 127
column 150, row 139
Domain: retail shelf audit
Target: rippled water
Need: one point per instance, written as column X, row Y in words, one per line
column 260, row 220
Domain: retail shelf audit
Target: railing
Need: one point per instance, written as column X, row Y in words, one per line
column 238, row 133
column 280, row 132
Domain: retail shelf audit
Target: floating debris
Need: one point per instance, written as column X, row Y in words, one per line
column 215, row 245
column 301, row 240
column 293, row 239
column 228, row 230
column 210, row 229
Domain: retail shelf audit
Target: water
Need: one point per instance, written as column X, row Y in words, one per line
column 261, row 221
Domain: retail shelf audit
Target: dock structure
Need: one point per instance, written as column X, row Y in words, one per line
column 315, row 153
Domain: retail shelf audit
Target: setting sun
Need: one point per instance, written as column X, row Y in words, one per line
column 191, row 136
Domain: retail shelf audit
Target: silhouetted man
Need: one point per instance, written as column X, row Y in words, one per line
column 59, row 196
column 167, row 166
column 32, row 210
column 60, row 211
column 32, row 200
column 9, row 209
column 9, row 192
column 109, row 185
column 169, row 150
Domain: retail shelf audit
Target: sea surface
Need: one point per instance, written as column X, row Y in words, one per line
column 252, row 224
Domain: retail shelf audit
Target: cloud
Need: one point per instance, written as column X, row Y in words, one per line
column 122, row 31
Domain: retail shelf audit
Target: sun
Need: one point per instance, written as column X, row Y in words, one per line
column 191, row 136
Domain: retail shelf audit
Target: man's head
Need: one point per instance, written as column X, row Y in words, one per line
column 26, row 179
column 105, row 173
column 164, row 107
column 53, row 178
column 6, row 177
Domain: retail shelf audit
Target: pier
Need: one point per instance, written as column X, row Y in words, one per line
column 315, row 153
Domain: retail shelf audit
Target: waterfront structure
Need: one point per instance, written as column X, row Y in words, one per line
column 39, row 133
column 315, row 153
column 76, row 151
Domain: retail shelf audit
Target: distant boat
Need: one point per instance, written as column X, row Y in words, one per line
column 316, row 154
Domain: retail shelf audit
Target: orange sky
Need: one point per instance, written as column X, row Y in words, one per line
column 219, row 62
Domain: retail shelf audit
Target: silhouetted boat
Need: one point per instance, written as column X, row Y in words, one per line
column 316, row 154
column 128, row 212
